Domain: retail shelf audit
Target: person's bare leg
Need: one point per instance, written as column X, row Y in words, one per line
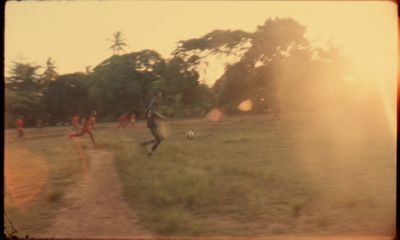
column 148, row 142
column 92, row 138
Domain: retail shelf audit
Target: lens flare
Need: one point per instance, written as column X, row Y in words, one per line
column 25, row 176
column 214, row 115
column 245, row 106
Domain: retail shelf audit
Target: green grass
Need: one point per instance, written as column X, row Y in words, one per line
column 305, row 174
column 42, row 171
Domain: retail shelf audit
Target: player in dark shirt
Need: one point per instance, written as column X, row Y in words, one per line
column 152, row 117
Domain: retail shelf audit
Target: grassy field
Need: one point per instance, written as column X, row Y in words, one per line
column 328, row 174
column 38, row 171
column 306, row 174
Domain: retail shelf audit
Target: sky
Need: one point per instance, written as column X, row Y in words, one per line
column 75, row 33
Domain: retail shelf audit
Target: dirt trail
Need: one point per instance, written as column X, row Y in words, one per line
column 95, row 206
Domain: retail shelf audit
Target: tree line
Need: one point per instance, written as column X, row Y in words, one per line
column 279, row 68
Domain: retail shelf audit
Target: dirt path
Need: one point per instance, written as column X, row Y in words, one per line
column 95, row 207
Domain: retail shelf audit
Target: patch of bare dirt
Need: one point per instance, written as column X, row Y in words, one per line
column 95, row 206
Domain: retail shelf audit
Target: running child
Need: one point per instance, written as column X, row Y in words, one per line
column 86, row 128
column 19, row 123
column 123, row 120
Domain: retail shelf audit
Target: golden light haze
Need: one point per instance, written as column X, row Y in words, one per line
column 327, row 165
column 75, row 33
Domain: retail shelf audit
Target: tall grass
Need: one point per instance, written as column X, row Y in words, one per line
column 251, row 177
column 223, row 182
column 244, row 176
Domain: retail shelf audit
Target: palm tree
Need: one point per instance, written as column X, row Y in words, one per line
column 118, row 43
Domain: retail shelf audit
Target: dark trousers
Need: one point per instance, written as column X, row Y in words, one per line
column 155, row 131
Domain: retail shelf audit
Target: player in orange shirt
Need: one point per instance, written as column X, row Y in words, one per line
column 19, row 123
column 123, row 120
column 86, row 128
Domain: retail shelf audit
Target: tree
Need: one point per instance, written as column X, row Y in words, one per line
column 49, row 74
column 118, row 43
column 257, row 73
column 22, row 94
column 255, row 77
column 126, row 83
column 281, row 68
column 123, row 83
column 218, row 49
column 24, row 77
column 182, row 92
column 65, row 96
column 223, row 41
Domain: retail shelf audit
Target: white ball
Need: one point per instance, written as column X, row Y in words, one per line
column 189, row 135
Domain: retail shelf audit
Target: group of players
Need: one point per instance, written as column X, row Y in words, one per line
column 125, row 119
column 151, row 114
column 152, row 117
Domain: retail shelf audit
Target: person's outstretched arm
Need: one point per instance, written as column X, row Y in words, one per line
column 160, row 116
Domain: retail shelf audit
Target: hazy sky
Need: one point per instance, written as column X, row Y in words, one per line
column 75, row 33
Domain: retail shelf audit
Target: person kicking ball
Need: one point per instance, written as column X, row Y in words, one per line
column 153, row 117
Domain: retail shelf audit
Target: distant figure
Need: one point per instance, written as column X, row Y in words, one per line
column 75, row 121
column 39, row 124
column 93, row 118
column 277, row 112
column 86, row 128
column 133, row 119
column 152, row 117
column 19, row 123
column 123, row 120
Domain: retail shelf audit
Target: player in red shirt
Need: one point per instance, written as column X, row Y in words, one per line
column 123, row 120
column 86, row 128
column 19, row 123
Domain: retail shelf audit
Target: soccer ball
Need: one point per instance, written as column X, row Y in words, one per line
column 189, row 135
